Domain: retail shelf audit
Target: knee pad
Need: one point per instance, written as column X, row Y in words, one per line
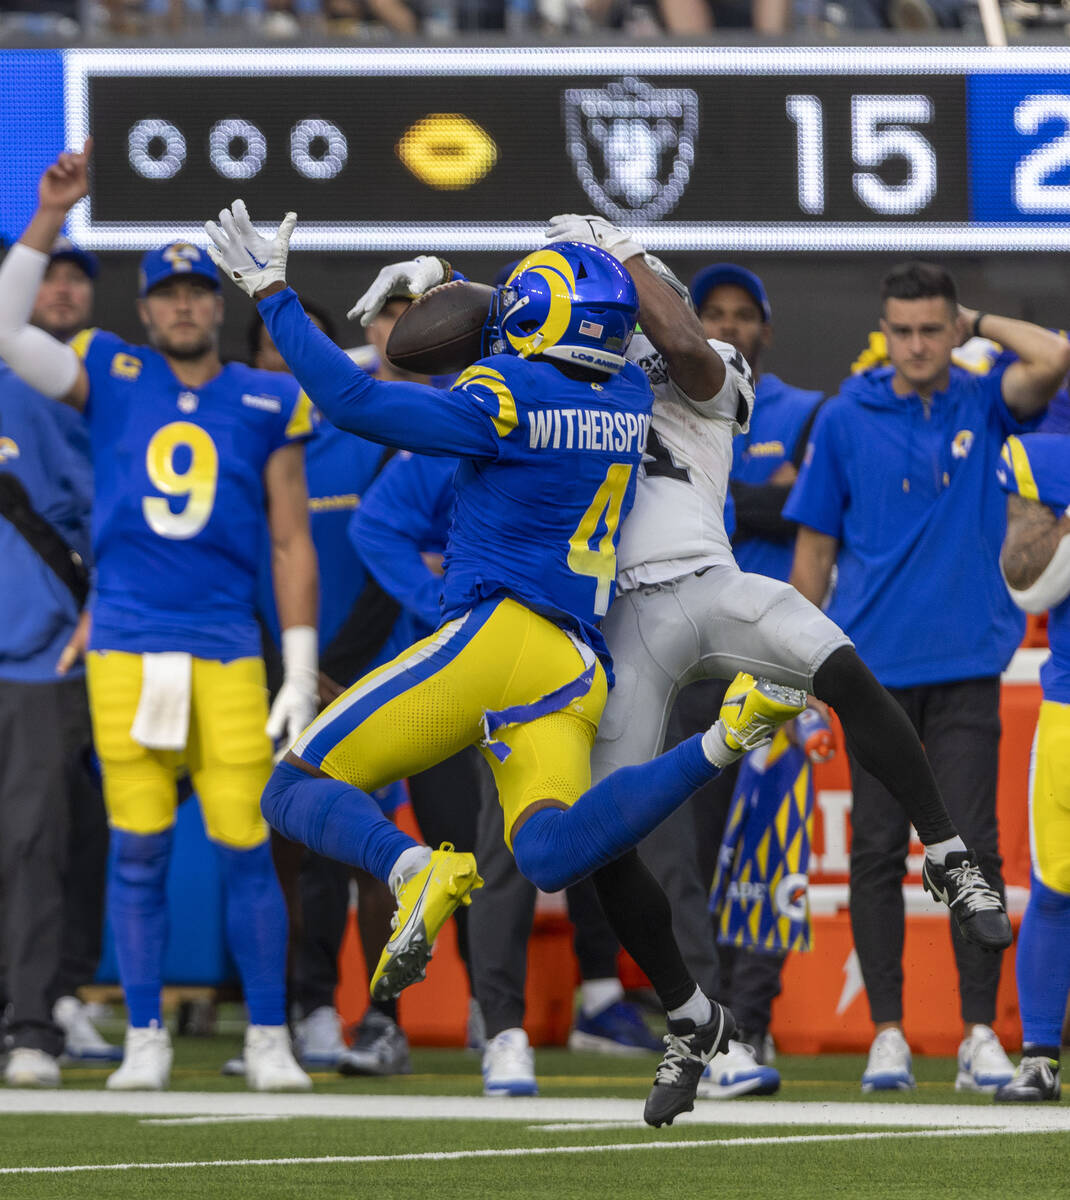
column 242, row 864
column 842, row 677
column 274, row 800
column 539, row 853
column 140, row 861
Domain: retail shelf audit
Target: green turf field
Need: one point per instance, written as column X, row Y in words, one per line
column 433, row 1135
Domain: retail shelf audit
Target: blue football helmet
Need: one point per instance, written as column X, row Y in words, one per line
column 568, row 301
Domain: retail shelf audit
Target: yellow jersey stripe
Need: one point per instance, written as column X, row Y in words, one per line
column 80, row 342
column 1023, row 472
column 300, row 423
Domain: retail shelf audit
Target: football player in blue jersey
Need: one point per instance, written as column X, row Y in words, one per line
column 1034, row 471
column 187, row 454
column 549, row 429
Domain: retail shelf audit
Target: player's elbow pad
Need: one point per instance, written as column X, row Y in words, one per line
column 1052, row 586
column 47, row 365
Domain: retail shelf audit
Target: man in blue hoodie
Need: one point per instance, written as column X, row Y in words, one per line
column 49, row 802
column 898, row 492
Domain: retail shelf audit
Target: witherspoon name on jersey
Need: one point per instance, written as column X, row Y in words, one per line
column 587, row 429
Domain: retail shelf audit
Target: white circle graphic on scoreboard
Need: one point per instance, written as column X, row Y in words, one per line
column 221, row 148
column 331, row 154
column 156, row 148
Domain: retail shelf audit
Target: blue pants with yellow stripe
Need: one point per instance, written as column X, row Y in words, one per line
column 437, row 697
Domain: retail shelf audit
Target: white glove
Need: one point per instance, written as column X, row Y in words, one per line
column 406, row 280
column 250, row 259
column 595, row 231
column 298, row 699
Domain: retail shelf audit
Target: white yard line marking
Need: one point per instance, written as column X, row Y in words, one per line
column 514, row 1152
column 573, row 1126
column 866, row 1113
column 234, row 1120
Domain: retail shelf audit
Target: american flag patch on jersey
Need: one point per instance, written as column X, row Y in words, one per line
column 591, row 328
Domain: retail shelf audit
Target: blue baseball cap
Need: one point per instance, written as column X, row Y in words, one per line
column 63, row 249
column 713, row 276
column 179, row 258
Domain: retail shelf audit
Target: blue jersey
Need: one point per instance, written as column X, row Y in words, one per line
column 776, row 427
column 406, row 514
column 339, row 467
column 1037, row 467
column 547, row 469
column 178, row 512
column 44, row 444
column 909, row 493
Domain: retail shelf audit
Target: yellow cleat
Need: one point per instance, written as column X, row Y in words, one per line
column 425, row 902
column 754, row 709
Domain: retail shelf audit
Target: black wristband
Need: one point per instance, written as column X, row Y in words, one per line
column 976, row 327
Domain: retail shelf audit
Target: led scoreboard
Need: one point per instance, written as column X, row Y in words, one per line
column 698, row 149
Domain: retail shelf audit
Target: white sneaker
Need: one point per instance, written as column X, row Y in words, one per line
column 509, row 1065
column 269, row 1062
column 318, row 1038
column 737, row 1073
column 147, row 1057
column 889, row 1067
column 29, row 1067
column 983, row 1063
column 83, row 1042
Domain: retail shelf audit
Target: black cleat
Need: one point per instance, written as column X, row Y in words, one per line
column 1036, row 1079
column 974, row 903
column 687, row 1051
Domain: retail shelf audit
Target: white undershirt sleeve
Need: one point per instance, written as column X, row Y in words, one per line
column 1052, row 587
column 45, row 363
column 735, row 401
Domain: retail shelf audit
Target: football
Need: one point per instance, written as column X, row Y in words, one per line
column 442, row 330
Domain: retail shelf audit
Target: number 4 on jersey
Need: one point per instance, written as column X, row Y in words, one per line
column 601, row 563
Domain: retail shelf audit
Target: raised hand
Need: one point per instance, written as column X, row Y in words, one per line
column 240, row 251
column 406, row 280
column 66, row 181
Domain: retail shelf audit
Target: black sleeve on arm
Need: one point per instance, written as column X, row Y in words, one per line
column 758, row 508
column 362, row 635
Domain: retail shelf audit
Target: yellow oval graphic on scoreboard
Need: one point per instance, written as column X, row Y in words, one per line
column 447, row 151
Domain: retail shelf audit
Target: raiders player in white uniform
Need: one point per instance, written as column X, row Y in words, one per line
column 684, row 610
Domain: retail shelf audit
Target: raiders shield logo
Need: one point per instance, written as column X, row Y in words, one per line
column 632, row 145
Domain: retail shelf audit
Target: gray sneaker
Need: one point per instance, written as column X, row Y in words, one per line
column 380, row 1048
column 1036, row 1079
column 688, row 1049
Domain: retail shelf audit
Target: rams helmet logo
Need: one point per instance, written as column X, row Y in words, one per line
column 181, row 256
column 961, row 443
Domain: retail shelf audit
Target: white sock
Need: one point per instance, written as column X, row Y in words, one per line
column 716, row 749
column 697, row 1009
column 407, row 864
column 596, row 995
column 938, row 851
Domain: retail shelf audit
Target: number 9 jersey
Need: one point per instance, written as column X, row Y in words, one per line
column 179, row 503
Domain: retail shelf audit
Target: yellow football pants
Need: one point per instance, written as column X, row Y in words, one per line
column 431, row 701
column 1049, row 797
column 228, row 754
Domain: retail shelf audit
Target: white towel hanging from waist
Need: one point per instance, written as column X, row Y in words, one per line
column 162, row 718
